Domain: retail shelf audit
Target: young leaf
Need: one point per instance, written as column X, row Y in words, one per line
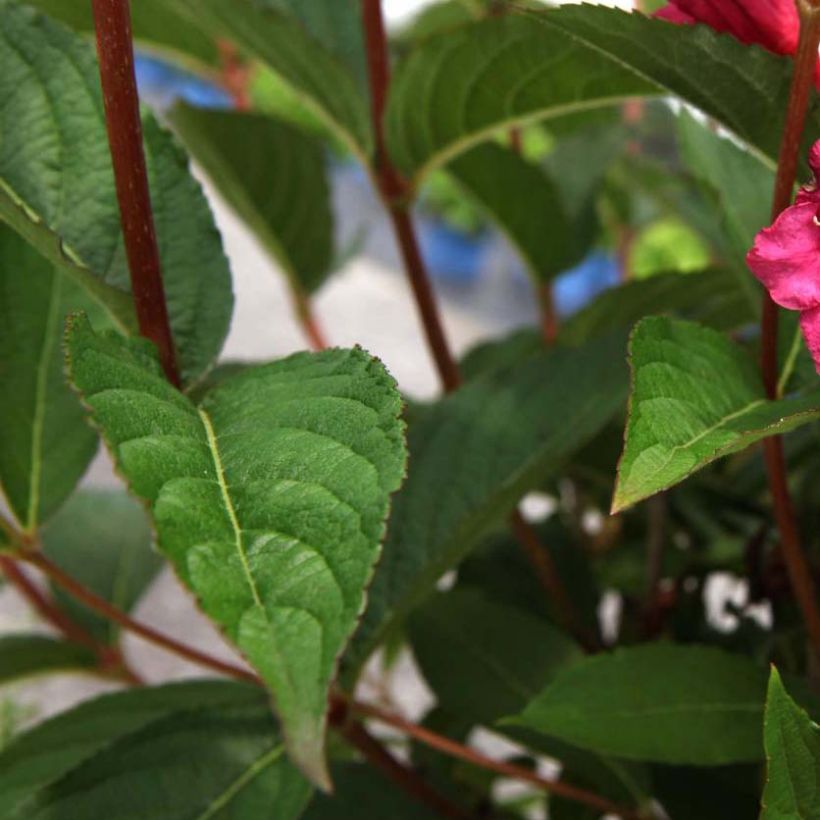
column 203, row 750
column 45, row 444
column 22, row 656
column 274, row 177
column 51, row 117
column 304, row 64
column 474, row 454
column 696, row 396
column 458, row 88
column 103, row 539
column 792, row 743
column 269, row 498
column 660, row 702
column 505, row 656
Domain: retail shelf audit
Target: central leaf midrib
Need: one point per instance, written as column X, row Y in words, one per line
column 229, row 507
column 245, row 778
column 40, row 390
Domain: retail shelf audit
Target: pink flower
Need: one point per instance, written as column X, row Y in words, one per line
column 786, row 258
column 773, row 24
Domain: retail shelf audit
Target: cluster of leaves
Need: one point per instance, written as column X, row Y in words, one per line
column 268, row 487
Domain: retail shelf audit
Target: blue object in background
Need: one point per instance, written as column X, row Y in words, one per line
column 161, row 85
column 452, row 257
column 580, row 285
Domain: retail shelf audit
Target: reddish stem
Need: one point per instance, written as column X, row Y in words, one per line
column 408, row 780
column 793, row 556
column 395, row 194
column 550, row 579
column 425, row 299
column 339, row 708
column 110, row 659
column 112, row 21
column 549, row 315
column 454, row 749
column 308, row 319
column 96, row 603
column 44, row 606
column 235, row 75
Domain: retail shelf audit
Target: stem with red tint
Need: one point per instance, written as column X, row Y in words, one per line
column 408, row 780
column 454, row 749
column 94, row 602
column 109, row 658
column 303, row 307
column 112, row 22
column 396, row 196
column 796, row 564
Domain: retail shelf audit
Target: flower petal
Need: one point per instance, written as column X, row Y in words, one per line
column 786, row 256
column 773, row 24
column 810, row 325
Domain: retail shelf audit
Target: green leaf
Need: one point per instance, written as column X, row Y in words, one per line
column 316, row 77
column 274, row 177
column 792, row 743
column 525, row 204
column 659, row 702
column 269, row 498
column 505, row 656
column 540, row 210
column 337, row 25
column 155, row 26
column 45, row 444
column 696, row 396
column 737, row 184
column 102, row 538
column 474, row 454
column 458, row 88
column 22, row 656
column 57, row 187
column 362, row 792
column 207, row 749
column 711, row 297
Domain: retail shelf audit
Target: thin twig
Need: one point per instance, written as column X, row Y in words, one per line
column 340, row 707
column 94, row 602
column 112, row 22
column 376, row 754
column 110, row 660
column 454, row 749
column 796, row 563
column 41, row 604
column 395, row 194
column 550, row 579
column 307, row 318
